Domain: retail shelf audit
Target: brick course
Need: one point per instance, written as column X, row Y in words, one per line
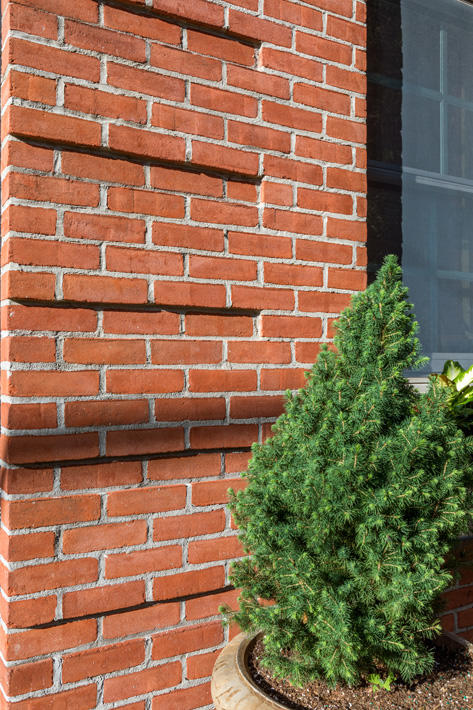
column 184, row 215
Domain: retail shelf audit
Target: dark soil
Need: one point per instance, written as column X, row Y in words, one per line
column 449, row 686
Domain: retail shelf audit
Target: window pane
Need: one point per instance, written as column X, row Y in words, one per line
column 460, row 142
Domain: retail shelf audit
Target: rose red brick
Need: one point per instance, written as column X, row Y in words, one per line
column 102, row 660
column 176, row 352
column 294, row 275
column 323, row 302
column 102, row 169
column 144, row 381
column 34, row 449
column 153, row 28
column 84, row 10
column 14, row 481
column 29, row 416
column 224, row 48
column 28, row 677
column 200, row 665
column 282, row 380
column 208, row 606
column 223, row 437
column 31, row 87
column 180, row 235
column 145, row 82
column 251, row 407
column 197, row 466
column 222, row 380
column 53, row 575
column 50, row 511
column 38, row 642
column 345, row 79
column 30, row 123
column 128, row 564
column 27, row 547
column 184, row 699
column 347, row 279
column 185, row 121
column 24, row 155
column 103, row 537
column 185, row 640
column 135, row 622
column 51, row 59
column 104, row 351
column 52, row 383
column 51, row 189
column 143, row 501
column 184, row 62
column 142, row 682
column 103, row 228
column 323, row 150
column 206, row 267
column 180, row 293
column 183, row 583
column 259, row 245
column 26, row 19
column 262, row 298
column 223, row 100
column 22, row 614
column 291, row 327
column 105, row 41
column 322, row 201
column 187, row 182
column 19, row 218
column 293, row 64
column 241, row 191
column 83, row 697
column 107, row 289
column 232, row 160
column 221, row 548
column 308, row 250
column 150, row 202
column 103, row 475
column 292, row 221
column 250, row 351
column 140, row 261
column 253, row 27
column 149, row 144
column 101, row 599
column 160, row 323
column 200, row 11
column 19, row 284
column 293, row 117
column 259, row 82
column 175, row 527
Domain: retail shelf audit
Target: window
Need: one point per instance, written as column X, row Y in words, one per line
column 420, row 169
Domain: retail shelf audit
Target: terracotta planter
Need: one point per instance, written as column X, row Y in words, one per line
column 233, row 689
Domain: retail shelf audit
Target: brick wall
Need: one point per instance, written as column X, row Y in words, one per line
column 183, row 218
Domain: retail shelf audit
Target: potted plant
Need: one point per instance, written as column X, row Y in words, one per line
column 350, row 513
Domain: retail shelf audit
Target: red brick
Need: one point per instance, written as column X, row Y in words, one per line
column 295, row 14
column 293, row 170
column 223, row 437
column 308, row 250
column 185, row 121
column 143, row 682
column 144, row 381
column 206, row 267
column 238, row 326
column 347, row 279
column 28, row 677
column 177, row 352
column 30, row 123
column 187, row 182
column 51, row 59
column 250, row 135
column 16, row 548
column 346, row 180
column 160, row 323
column 332, row 101
column 222, row 47
column 259, row 245
column 34, row 449
column 103, row 537
column 187, row 467
column 106, row 413
column 189, row 409
column 106, row 289
column 282, row 379
column 242, row 191
column 101, row 103
column 292, row 64
column 175, row 527
column 38, row 642
column 153, row 28
column 146, row 202
column 323, row 302
column 149, row 144
column 208, row 606
column 257, row 352
column 324, row 201
column 135, row 622
column 145, row 82
column 346, row 229
column 29, row 416
column 291, row 327
column 323, row 150
column 346, row 31
column 52, row 575
column 458, row 597
column 292, row 274
column 293, row 117
column 105, row 41
column 84, row 10
column 143, row 501
column 21, row 614
column 103, row 228
column 139, row 261
column 180, row 293
column 52, row 383
column 257, row 81
column 102, row 169
column 51, row 189
column 21, row 481
column 28, row 349
column 184, row 583
column 105, row 475
column 180, row 235
column 221, row 548
column 344, row 79
column 262, row 298
column 223, row 100
column 183, row 62
column 19, row 218
column 100, row 599
column 323, row 48
column 39, row 252
column 200, row 11
column 19, row 284
column 307, row 352
column 290, row 221
column 30, row 87
column 102, row 660
column 23, row 155
column 231, row 160
column 185, row 640
column 50, row 511
column 252, row 27
column 184, row 699
column 222, row 380
column 215, row 492
column 104, row 351
column 201, row 665
column 251, row 407
column 52, row 319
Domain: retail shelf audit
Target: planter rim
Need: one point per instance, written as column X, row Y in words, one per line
column 232, row 686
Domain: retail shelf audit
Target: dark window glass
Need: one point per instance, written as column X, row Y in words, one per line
column 420, row 167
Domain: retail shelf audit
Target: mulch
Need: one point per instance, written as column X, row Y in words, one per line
column 449, row 686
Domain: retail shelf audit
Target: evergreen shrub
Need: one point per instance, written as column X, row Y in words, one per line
column 353, row 506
